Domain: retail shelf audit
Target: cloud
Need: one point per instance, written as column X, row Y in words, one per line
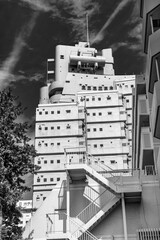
column 76, row 11
column 7, row 67
column 100, row 35
column 38, row 5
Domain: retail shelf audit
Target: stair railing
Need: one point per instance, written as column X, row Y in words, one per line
column 80, row 233
column 94, row 207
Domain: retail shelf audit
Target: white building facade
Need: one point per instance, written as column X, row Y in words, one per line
column 87, row 188
column 87, row 106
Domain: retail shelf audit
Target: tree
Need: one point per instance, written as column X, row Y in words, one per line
column 16, row 160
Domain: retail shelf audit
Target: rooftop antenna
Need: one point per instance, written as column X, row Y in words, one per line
column 87, row 29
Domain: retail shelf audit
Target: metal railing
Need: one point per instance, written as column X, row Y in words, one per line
column 80, row 233
column 53, row 222
column 149, row 233
column 149, row 170
column 94, row 207
column 76, row 230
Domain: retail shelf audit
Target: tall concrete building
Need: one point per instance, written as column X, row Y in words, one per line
column 147, row 92
column 95, row 182
column 87, row 107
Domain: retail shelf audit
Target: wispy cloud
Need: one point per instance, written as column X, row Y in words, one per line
column 133, row 41
column 100, row 35
column 76, row 11
column 7, row 67
column 38, row 5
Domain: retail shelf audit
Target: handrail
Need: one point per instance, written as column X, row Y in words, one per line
column 90, row 211
column 80, row 230
column 98, row 160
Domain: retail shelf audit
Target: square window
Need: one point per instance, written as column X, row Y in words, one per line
column 46, row 128
column 40, row 113
column 45, row 161
column 38, row 180
column 89, row 87
column 109, row 113
column 100, row 114
column 94, row 129
column 58, row 161
column 58, row 112
column 39, row 162
column 127, row 100
column 94, row 114
column 61, row 56
column 88, row 130
column 58, row 127
column 68, row 111
column 45, row 180
column 99, row 88
column 113, row 161
column 52, row 112
column 58, row 179
column 99, row 99
column 51, row 179
column 87, row 99
column 52, row 144
column 46, row 112
column 95, row 145
column 52, row 128
column 101, row 145
column 52, row 161
column 101, row 129
column 58, row 144
column 105, row 88
column 94, row 88
column 93, row 98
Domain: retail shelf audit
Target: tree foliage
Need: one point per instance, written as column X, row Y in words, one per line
column 16, row 160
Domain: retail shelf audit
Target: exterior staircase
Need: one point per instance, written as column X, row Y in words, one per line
column 104, row 175
column 112, row 181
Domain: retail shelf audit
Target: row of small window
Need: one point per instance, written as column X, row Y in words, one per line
column 100, row 113
column 100, row 129
column 102, row 145
column 45, row 179
column 46, row 162
column 94, row 98
column 52, row 128
column 99, row 88
column 125, row 85
column 53, row 112
column 46, row 144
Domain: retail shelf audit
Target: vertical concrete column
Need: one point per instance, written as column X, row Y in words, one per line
column 124, row 218
column 68, row 204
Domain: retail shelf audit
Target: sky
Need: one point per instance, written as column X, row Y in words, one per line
column 31, row 29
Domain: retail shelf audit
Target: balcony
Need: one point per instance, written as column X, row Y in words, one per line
column 143, row 112
column 153, row 60
column 155, row 113
column 150, row 11
column 146, row 145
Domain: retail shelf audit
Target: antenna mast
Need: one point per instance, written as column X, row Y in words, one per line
column 87, row 29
